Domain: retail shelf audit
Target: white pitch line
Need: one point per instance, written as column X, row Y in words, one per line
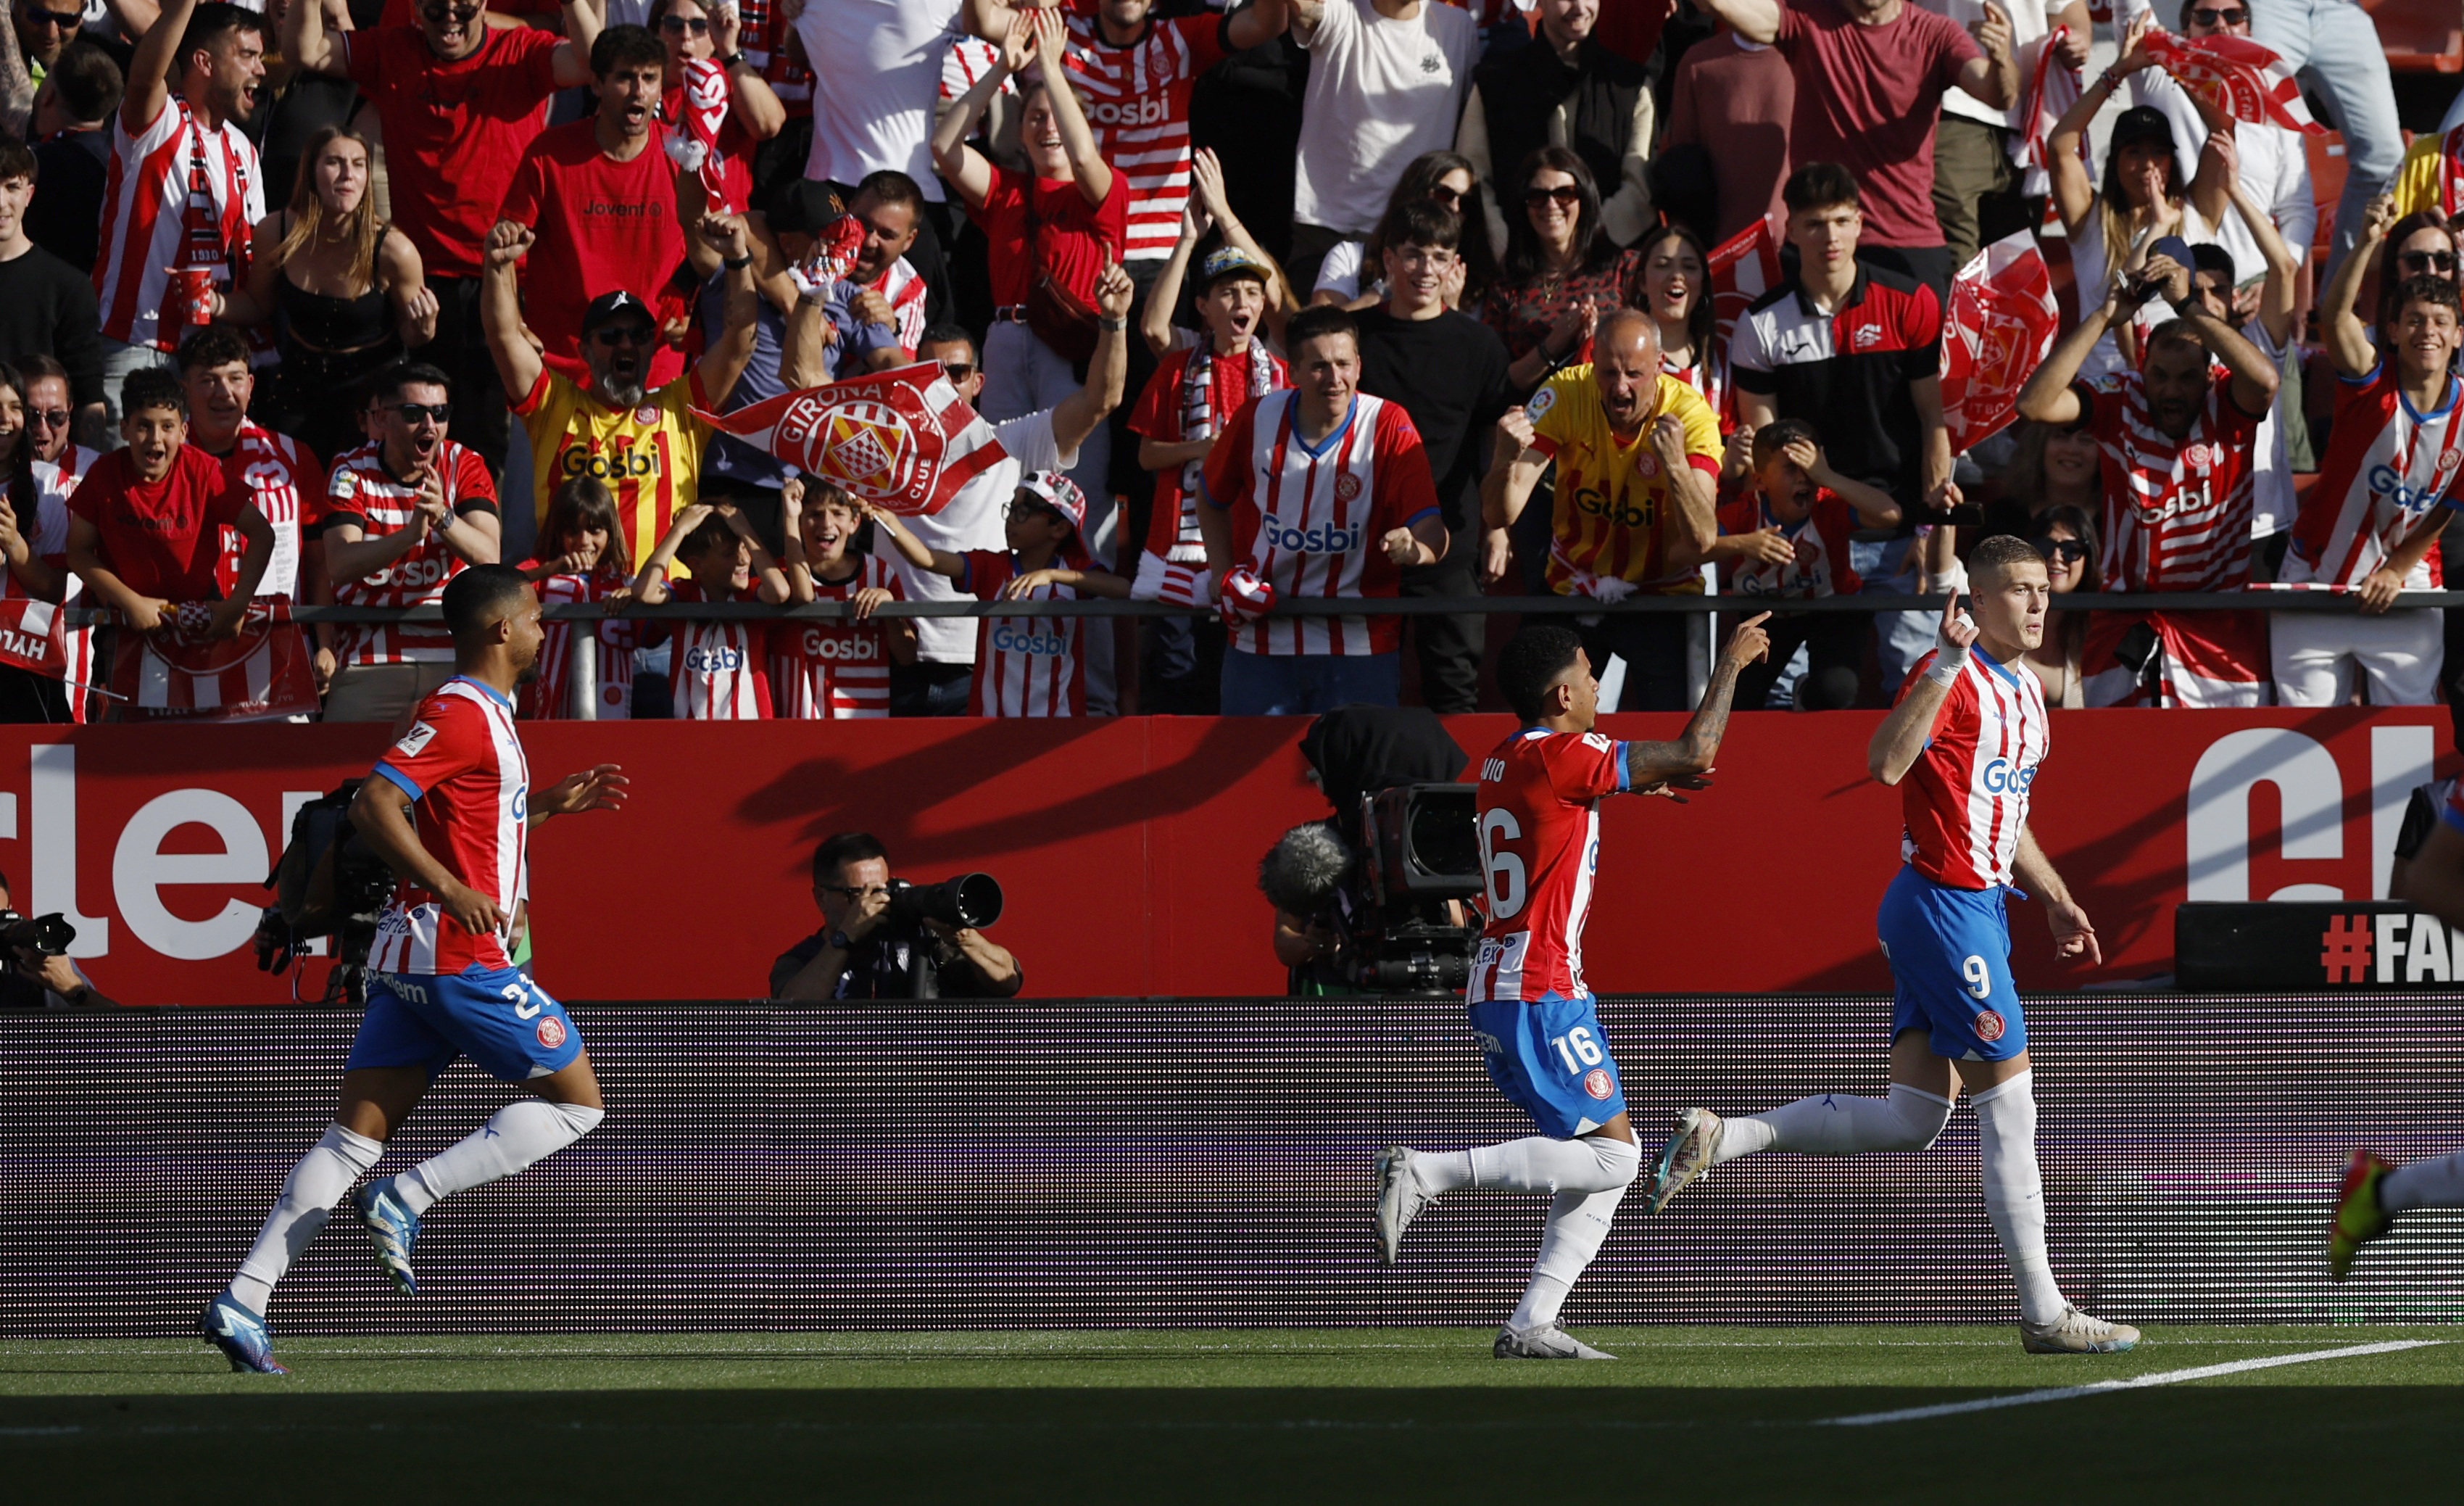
column 2064, row 1394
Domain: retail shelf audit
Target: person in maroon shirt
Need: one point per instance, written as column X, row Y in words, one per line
column 460, row 102
column 1870, row 78
column 601, row 196
column 145, row 524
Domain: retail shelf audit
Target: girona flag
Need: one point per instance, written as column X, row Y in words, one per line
column 2052, row 88
column 33, row 636
column 705, row 112
column 1743, row 268
column 2238, row 75
column 903, row 438
column 1996, row 332
column 179, row 675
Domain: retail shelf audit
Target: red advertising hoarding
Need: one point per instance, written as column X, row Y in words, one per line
column 1128, row 847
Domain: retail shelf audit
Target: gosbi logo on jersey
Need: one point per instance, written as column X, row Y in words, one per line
column 2002, row 776
column 2386, row 481
column 1328, row 539
column 707, row 660
column 820, row 643
column 1149, row 111
column 624, row 461
column 1007, row 639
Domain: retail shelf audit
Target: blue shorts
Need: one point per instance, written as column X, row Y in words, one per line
column 1951, row 969
column 500, row 1019
column 1552, row 1060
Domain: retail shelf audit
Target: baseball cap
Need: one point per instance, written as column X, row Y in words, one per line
column 1058, row 493
column 610, row 307
column 1228, row 261
column 801, row 207
column 2141, row 122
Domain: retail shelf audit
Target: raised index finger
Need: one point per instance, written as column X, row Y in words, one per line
column 1950, row 611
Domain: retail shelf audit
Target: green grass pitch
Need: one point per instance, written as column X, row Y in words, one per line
column 1720, row 1415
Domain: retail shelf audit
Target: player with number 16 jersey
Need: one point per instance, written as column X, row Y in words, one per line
column 1530, row 1006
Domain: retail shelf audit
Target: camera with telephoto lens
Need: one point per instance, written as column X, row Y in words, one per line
column 970, row 901
column 47, row 934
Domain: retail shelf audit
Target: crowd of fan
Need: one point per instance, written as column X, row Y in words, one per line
column 1277, row 302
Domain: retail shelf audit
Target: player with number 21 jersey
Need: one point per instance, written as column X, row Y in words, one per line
column 1530, row 1006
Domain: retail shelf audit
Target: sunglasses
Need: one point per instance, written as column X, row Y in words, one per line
column 1565, row 194
column 62, row 20
column 1441, row 194
column 48, row 417
column 697, row 25
column 957, row 370
column 457, row 13
column 2070, row 551
column 626, row 335
column 2427, row 260
column 2220, row 17
column 413, row 412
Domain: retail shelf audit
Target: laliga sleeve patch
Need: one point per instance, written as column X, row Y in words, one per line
column 1541, row 402
column 416, row 739
column 1598, row 1083
column 1990, row 1026
column 550, row 1032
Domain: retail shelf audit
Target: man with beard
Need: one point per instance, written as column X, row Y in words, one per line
column 405, row 514
column 600, row 196
column 185, row 188
column 441, row 982
column 646, row 445
column 2179, row 437
column 460, row 103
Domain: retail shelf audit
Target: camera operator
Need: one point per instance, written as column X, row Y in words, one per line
column 33, row 980
column 863, row 951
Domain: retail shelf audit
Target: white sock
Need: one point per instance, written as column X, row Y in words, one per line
column 2424, row 1183
column 1442, row 1170
column 2015, row 1190
column 521, row 1134
column 1578, row 1224
column 318, row 1181
column 1837, row 1124
column 1537, row 1163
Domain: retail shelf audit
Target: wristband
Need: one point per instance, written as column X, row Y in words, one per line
column 1944, row 671
column 732, row 61
column 737, row 263
column 1115, row 325
column 2109, row 81
column 2189, row 308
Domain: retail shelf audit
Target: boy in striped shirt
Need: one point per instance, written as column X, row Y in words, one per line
column 834, row 667
column 1027, row 666
column 716, row 669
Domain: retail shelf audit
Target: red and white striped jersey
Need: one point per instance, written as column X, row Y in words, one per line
column 1136, row 99
column 905, row 290
column 767, row 33
column 827, row 670
column 1024, row 666
column 1539, row 801
column 548, row 697
column 1308, row 518
column 2177, row 512
column 1965, row 802
column 2387, row 467
column 284, row 480
column 364, row 492
column 965, row 66
column 716, row 668
column 1820, row 566
column 461, row 763
column 178, row 195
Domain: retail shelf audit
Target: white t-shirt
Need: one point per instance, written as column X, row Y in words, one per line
column 2090, row 271
column 876, row 74
column 1339, row 274
column 974, row 520
column 1380, row 93
column 2275, row 167
column 2029, row 29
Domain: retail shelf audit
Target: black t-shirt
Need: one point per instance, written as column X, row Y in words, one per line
column 71, row 172
column 46, row 305
column 1449, row 374
column 880, row 968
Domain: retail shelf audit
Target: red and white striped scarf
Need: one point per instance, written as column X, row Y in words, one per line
column 1198, row 421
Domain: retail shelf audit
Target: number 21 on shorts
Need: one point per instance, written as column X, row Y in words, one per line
column 1979, row 976
column 1577, row 1049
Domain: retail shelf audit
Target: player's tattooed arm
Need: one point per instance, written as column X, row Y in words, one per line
column 1683, row 762
column 2074, row 937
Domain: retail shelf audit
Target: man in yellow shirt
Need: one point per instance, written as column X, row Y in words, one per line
column 2432, row 176
column 1636, row 454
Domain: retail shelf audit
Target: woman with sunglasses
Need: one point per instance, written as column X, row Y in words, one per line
column 344, row 289
column 2422, row 244
column 2065, row 535
column 1560, row 272
column 34, row 549
column 692, row 32
column 2142, row 197
column 1352, row 274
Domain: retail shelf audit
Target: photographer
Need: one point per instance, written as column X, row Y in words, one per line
column 34, row 980
column 865, row 951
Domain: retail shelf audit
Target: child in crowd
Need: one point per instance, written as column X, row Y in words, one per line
column 1786, row 534
column 588, row 562
column 1026, row 666
column 837, row 668
column 716, row 668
